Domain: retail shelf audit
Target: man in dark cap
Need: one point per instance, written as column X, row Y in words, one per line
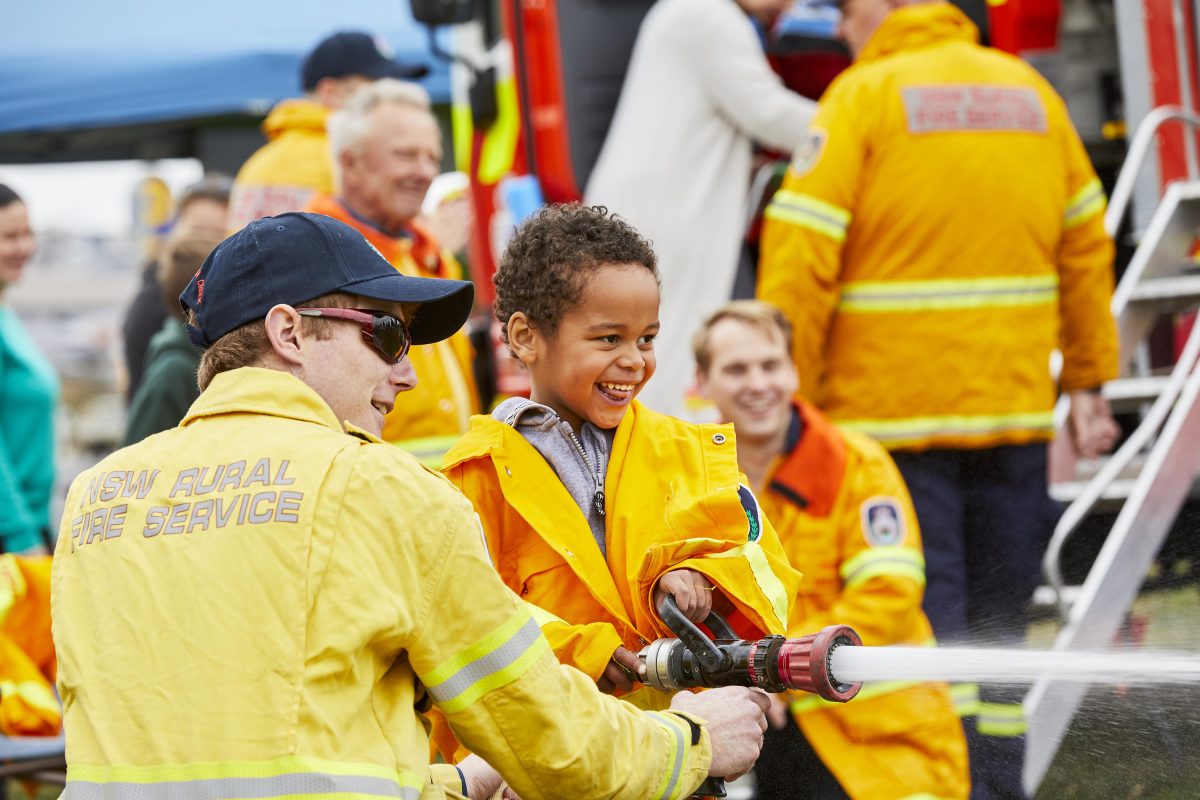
column 259, row 602
column 295, row 161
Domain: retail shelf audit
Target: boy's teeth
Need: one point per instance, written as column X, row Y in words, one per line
column 620, row 387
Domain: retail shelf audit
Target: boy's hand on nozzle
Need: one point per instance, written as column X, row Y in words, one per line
column 481, row 779
column 736, row 720
column 692, row 591
column 778, row 713
column 623, row 671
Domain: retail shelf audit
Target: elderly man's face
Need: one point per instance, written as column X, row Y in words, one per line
column 386, row 174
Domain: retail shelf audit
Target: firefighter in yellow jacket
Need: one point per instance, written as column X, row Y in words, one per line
column 938, row 234
column 294, row 164
column 388, row 149
column 593, row 505
column 843, row 513
column 259, row 602
column 28, row 706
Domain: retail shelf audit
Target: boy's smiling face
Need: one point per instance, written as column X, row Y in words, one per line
column 602, row 353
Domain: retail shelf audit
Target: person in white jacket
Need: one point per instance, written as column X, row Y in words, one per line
column 677, row 158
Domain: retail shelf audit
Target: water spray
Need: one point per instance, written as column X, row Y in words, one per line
column 833, row 664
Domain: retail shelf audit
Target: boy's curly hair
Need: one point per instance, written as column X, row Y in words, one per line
column 554, row 254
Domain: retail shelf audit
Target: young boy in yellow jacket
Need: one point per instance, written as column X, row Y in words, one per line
column 592, row 505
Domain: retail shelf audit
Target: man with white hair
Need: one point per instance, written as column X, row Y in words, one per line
column 283, row 174
column 386, row 150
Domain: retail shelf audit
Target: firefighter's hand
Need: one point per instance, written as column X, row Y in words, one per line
column 481, row 779
column 623, row 670
column 778, row 713
column 692, row 591
column 736, row 720
column 1091, row 425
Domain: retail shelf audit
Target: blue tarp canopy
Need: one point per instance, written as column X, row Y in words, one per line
column 67, row 65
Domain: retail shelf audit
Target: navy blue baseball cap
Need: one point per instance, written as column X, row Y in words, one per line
column 297, row 257
column 354, row 53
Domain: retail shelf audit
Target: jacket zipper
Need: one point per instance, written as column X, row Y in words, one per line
column 598, row 498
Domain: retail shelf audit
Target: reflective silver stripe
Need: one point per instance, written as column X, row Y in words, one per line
column 681, row 740
column 487, row 664
column 300, row 783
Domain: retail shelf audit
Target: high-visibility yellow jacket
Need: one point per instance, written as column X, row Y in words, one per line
column 28, row 706
column 430, row 418
column 672, row 502
column 258, row 603
column 842, row 512
column 938, row 234
column 289, row 169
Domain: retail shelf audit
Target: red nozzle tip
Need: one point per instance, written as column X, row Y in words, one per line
column 804, row 663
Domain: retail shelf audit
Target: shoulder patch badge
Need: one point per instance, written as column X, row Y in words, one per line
column 753, row 513
column 808, row 152
column 882, row 521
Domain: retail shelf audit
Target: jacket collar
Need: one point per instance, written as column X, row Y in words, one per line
column 488, row 436
column 253, row 390
column 296, row 114
column 415, row 241
column 810, row 474
column 916, row 26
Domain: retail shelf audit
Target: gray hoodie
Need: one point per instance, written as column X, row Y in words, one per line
column 581, row 462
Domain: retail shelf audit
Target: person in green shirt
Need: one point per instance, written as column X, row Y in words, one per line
column 28, row 396
column 168, row 387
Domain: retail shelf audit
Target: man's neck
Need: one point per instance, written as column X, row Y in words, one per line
column 400, row 231
column 755, row 456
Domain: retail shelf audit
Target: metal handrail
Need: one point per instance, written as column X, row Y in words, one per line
column 1075, row 513
column 1139, row 146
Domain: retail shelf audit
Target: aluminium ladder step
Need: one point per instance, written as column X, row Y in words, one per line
column 1125, row 394
column 1178, row 288
column 1113, row 495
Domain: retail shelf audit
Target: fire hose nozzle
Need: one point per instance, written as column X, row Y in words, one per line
column 804, row 663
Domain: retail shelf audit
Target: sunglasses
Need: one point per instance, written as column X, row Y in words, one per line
column 385, row 332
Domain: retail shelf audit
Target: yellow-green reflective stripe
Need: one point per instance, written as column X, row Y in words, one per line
column 809, row 212
column 896, row 560
column 878, row 297
column 281, row 777
column 500, row 142
column 674, row 725
column 1085, row 204
column 869, row 689
column 430, row 449
column 891, row 430
column 966, row 698
column 768, row 582
column 1001, row 719
column 494, row 661
column 542, row 616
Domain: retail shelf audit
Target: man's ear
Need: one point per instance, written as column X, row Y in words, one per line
column 702, row 382
column 282, row 324
column 523, row 339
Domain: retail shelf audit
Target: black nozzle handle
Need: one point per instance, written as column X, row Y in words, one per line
column 711, row 657
column 712, row 787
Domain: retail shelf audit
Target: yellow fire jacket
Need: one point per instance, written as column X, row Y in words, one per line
column 430, row 418
column 938, row 234
column 672, row 502
column 289, row 169
column 28, row 706
column 842, row 511
column 258, row 602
